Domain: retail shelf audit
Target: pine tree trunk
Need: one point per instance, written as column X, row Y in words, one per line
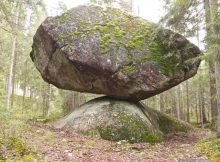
column 178, row 105
column 197, row 108
column 203, row 118
column 13, row 80
column 157, row 102
column 161, row 100
column 72, row 102
column 12, row 60
column 11, row 74
column 174, row 102
column 187, row 103
column 214, row 12
column 45, row 99
column 210, row 10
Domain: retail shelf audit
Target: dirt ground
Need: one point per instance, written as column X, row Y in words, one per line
column 56, row 146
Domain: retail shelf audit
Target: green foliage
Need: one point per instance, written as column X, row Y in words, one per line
column 29, row 158
column 210, row 146
column 18, row 146
column 178, row 14
column 16, row 149
column 13, row 145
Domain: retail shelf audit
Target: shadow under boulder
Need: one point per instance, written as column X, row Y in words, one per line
column 116, row 120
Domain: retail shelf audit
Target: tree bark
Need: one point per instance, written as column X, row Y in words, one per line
column 72, row 102
column 12, row 60
column 126, row 5
column 209, row 17
column 214, row 7
column 202, row 114
column 178, row 105
column 13, row 81
column 11, row 74
column 161, row 100
column 45, row 99
column 187, row 103
column 197, row 108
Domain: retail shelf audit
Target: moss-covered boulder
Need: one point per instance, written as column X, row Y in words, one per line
column 168, row 124
column 117, row 120
column 107, row 51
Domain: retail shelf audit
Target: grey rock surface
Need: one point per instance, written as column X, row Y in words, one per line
column 115, row 120
column 107, row 51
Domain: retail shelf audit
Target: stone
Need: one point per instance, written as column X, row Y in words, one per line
column 107, row 51
column 117, row 120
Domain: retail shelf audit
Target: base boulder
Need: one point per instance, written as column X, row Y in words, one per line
column 117, row 120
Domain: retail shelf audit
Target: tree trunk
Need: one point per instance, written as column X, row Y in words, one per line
column 210, row 11
column 72, row 102
column 12, row 60
column 13, row 81
column 11, row 74
column 197, row 108
column 161, row 100
column 45, row 99
column 126, row 5
column 178, row 105
column 157, row 102
column 138, row 7
column 187, row 103
column 214, row 7
column 203, row 118
column 24, row 87
column 174, row 102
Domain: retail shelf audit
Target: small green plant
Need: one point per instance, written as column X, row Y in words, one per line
column 49, row 136
column 17, row 146
column 122, row 143
column 29, row 158
column 90, row 143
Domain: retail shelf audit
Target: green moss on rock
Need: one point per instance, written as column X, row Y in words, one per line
column 127, row 128
column 168, row 124
column 121, row 30
column 117, row 120
column 64, row 17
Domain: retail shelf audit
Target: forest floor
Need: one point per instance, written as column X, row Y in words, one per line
column 48, row 144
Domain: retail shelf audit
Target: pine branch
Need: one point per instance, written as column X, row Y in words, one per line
column 6, row 30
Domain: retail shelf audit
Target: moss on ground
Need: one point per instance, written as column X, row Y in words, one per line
column 210, row 147
column 168, row 124
column 18, row 146
column 16, row 149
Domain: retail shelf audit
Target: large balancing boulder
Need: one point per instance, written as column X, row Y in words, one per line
column 107, row 51
column 116, row 120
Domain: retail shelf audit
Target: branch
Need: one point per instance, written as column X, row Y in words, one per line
column 6, row 30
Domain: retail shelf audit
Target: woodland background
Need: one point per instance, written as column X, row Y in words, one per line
column 24, row 95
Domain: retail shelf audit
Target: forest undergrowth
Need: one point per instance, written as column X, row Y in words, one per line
column 24, row 137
